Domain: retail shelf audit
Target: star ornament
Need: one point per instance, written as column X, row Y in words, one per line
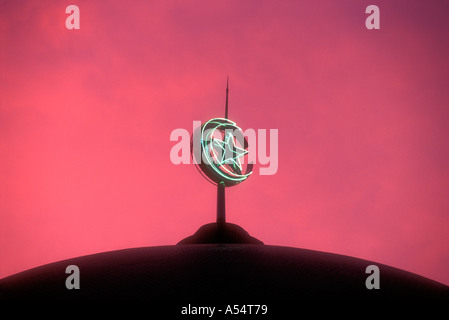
column 226, row 152
column 222, row 147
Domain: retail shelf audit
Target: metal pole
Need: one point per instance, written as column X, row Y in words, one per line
column 221, row 206
column 227, row 93
column 221, row 203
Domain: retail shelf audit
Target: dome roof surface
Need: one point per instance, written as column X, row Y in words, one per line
column 201, row 268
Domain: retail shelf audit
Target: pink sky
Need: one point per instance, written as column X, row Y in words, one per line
column 86, row 117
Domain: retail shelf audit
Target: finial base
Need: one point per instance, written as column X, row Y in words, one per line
column 213, row 233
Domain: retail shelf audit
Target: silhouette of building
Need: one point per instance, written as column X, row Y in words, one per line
column 219, row 262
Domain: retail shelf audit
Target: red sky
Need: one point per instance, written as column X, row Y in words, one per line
column 86, row 117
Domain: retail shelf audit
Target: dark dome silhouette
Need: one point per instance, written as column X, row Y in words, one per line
column 218, row 262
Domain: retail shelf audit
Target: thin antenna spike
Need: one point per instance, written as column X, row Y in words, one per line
column 221, row 203
column 227, row 93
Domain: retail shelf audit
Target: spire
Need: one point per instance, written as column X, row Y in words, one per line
column 221, row 204
column 227, row 93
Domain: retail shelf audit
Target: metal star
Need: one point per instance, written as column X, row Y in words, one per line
column 230, row 153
